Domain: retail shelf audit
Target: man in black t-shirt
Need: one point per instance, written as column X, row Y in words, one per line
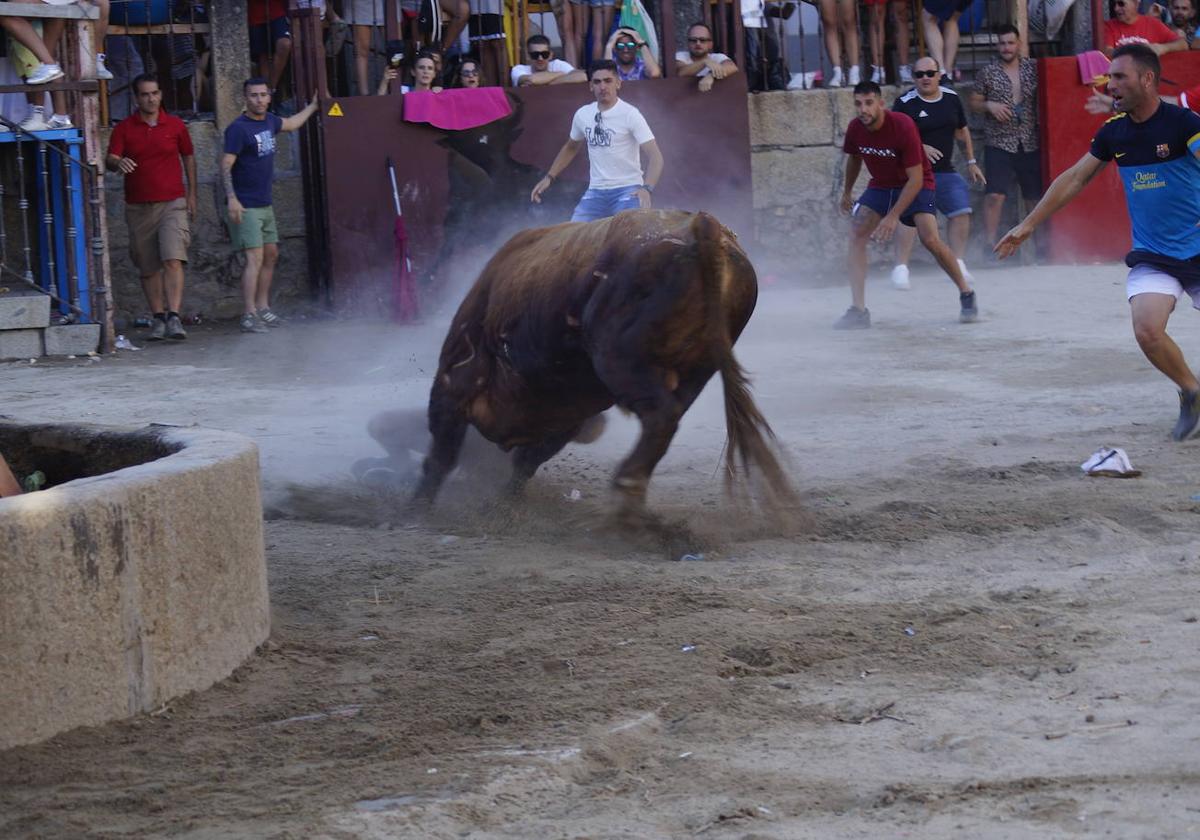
column 940, row 120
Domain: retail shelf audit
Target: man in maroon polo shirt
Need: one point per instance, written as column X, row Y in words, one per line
column 901, row 192
column 146, row 148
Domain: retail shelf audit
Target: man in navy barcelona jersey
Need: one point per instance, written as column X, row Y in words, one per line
column 901, row 191
column 1156, row 146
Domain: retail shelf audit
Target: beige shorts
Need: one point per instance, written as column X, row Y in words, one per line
column 158, row 231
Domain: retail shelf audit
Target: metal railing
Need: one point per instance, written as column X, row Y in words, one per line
column 51, row 185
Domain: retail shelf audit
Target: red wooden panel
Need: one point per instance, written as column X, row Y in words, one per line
column 470, row 189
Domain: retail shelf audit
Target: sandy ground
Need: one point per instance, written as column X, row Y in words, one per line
column 968, row 638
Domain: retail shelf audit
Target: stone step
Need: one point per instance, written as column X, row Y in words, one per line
column 62, row 340
column 24, row 311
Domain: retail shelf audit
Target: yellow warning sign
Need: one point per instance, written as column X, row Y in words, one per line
column 336, row 110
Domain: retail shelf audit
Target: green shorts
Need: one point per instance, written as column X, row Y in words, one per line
column 256, row 230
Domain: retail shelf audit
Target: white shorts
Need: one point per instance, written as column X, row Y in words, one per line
column 1148, row 279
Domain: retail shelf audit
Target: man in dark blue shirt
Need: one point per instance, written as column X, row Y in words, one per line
column 1155, row 145
column 247, row 168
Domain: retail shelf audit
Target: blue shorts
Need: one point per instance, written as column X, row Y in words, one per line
column 952, row 196
column 264, row 37
column 600, row 204
column 943, row 10
column 882, row 200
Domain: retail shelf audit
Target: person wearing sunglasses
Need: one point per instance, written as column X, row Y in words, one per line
column 632, row 56
column 617, row 137
column 468, row 74
column 1156, row 147
column 700, row 61
column 1126, row 26
column 940, row 119
column 901, row 192
column 543, row 68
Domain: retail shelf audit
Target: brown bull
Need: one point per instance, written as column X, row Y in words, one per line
column 639, row 310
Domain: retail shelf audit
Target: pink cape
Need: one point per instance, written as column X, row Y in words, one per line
column 1092, row 64
column 457, row 109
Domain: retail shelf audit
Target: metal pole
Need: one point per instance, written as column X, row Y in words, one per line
column 72, row 268
column 23, row 205
column 47, row 215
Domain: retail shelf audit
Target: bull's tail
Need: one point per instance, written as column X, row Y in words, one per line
column 751, row 444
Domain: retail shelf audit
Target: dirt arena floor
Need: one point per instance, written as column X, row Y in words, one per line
column 966, row 638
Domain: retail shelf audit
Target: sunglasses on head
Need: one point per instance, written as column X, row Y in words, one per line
column 926, row 74
column 539, row 54
column 626, row 45
column 698, row 40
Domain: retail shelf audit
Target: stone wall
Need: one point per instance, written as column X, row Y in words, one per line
column 212, row 284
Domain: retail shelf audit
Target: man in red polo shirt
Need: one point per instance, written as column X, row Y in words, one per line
column 146, row 148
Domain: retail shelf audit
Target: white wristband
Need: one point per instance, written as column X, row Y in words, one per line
column 972, row 162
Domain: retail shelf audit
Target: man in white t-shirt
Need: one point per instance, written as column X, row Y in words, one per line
column 616, row 134
column 699, row 60
column 543, row 68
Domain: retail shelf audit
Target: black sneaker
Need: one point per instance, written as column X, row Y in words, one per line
column 1189, row 415
column 969, row 312
column 854, row 319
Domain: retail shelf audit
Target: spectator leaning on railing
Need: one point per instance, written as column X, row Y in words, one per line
column 543, row 68
column 700, row 61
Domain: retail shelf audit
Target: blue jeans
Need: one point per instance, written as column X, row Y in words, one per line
column 600, row 204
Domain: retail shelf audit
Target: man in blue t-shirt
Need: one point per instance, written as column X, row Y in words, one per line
column 1156, row 146
column 247, row 168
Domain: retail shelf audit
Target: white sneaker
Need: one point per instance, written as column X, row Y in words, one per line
column 906, row 74
column 877, row 75
column 962, row 266
column 60, row 121
column 835, row 79
column 900, row 278
column 102, row 72
column 36, row 121
column 855, row 76
column 44, row 73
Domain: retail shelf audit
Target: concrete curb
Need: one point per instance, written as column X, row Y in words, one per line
column 122, row 590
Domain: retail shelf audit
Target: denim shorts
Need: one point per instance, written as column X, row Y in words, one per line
column 882, row 200
column 600, row 204
column 952, row 196
column 595, row 4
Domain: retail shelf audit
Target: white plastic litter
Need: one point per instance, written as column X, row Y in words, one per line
column 1110, row 462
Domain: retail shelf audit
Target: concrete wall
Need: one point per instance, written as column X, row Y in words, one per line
column 212, row 284
column 123, row 590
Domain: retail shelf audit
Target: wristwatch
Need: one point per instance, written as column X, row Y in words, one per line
column 648, row 188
